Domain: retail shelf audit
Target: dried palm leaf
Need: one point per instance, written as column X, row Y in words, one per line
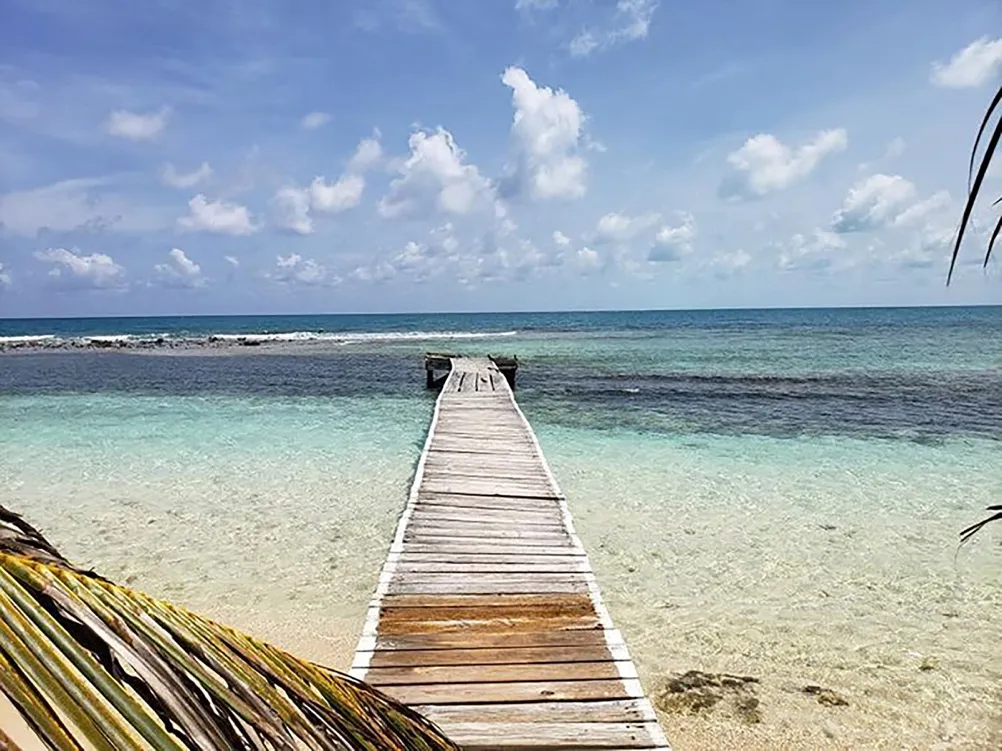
column 89, row 664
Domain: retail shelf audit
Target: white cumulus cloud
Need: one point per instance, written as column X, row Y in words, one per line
column 874, row 202
column 672, row 242
column 293, row 209
column 529, row 5
column 5, row 278
column 294, row 269
column 975, row 65
column 618, row 227
column 314, row 120
column 560, row 239
column 294, row 204
column 630, row 21
column 179, row 271
column 368, row 153
column 919, row 212
column 588, row 260
column 815, row 252
column 730, row 264
column 546, row 131
column 333, row 198
column 170, row 176
column 435, row 177
column 95, row 271
column 137, row 126
column 764, row 164
column 218, row 217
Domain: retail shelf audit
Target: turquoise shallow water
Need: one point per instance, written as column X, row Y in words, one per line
column 777, row 494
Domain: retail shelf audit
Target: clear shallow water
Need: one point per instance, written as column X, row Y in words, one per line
column 706, row 455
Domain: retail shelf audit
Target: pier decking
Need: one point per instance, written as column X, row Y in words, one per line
column 487, row 618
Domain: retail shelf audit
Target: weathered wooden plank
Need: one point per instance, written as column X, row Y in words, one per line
column 512, row 503
column 429, row 512
column 469, row 486
column 488, row 517
column 485, row 736
column 486, row 628
column 421, row 675
column 487, row 601
column 579, row 562
column 488, row 544
column 414, row 608
column 468, row 693
column 493, row 466
column 615, row 710
column 475, row 586
column 472, row 546
column 517, row 656
column 457, row 530
column 508, row 640
column 561, row 565
column 494, row 577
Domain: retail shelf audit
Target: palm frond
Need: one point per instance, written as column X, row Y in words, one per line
column 974, row 182
column 89, row 664
column 967, row 534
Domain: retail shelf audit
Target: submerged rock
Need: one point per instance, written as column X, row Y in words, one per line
column 826, row 697
column 696, row 692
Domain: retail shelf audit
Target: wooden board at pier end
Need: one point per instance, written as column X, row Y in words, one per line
column 487, row 617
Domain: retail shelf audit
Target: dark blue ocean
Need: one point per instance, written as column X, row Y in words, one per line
column 920, row 373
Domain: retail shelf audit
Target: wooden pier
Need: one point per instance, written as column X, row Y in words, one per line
column 487, row 617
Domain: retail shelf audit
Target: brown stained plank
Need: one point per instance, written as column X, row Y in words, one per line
column 522, row 656
column 615, row 710
column 450, row 674
column 486, row 629
column 488, row 736
column 468, row 693
column 540, row 607
column 506, row 640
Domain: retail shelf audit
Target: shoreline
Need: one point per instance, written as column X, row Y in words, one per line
column 33, row 344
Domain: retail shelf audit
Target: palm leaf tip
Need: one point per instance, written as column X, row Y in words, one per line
column 974, row 185
column 89, row 664
column 969, row 532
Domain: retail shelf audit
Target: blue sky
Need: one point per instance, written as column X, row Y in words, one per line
column 245, row 156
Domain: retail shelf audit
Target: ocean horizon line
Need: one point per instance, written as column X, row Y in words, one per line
column 567, row 311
